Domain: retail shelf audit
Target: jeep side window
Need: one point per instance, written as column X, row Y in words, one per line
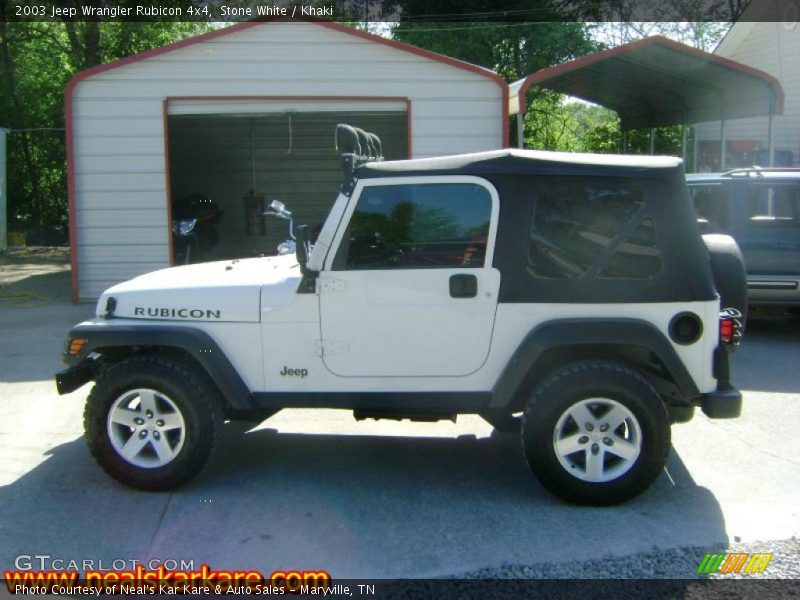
column 417, row 226
column 774, row 205
column 710, row 206
column 592, row 228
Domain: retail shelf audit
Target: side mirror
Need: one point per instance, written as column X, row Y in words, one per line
column 302, row 251
column 278, row 209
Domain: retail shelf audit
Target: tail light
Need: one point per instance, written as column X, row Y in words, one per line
column 730, row 326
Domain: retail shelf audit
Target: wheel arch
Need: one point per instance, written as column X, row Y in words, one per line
column 633, row 342
column 189, row 344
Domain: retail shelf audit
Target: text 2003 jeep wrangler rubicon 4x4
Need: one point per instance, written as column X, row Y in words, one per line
column 574, row 289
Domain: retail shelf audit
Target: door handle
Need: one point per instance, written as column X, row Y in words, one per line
column 463, row 285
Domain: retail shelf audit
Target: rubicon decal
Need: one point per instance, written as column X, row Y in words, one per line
column 177, row 313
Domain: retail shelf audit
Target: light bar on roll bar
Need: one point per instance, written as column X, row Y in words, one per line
column 355, row 147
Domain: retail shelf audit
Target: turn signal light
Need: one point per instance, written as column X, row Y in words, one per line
column 75, row 346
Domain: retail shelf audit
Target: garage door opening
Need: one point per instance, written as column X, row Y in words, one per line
column 231, row 164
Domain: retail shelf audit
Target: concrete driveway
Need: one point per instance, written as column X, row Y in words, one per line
column 316, row 490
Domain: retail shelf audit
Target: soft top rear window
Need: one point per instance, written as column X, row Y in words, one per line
column 592, row 227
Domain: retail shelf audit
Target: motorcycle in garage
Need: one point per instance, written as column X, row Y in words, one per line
column 194, row 227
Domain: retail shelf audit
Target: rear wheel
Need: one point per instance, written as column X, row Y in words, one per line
column 596, row 432
column 151, row 422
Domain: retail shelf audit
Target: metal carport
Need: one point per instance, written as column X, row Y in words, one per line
column 655, row 82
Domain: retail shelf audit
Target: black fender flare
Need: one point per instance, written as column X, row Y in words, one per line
column 195, row 342
column 582, row 332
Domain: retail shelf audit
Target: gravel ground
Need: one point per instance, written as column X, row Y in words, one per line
column 35, row 254
column 434, row 512
column 675, row 563
column 26, row 264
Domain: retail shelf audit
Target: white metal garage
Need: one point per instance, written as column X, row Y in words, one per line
column 248, row 110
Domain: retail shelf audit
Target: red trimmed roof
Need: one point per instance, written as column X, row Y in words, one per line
column 453, row 62
column 656, row 81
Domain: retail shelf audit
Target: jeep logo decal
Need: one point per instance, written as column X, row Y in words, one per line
column 287, row 372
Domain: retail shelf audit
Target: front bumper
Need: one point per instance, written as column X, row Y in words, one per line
column 71, row 379
column 723, row 403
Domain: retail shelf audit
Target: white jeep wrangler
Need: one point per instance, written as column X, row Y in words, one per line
column 573, row 289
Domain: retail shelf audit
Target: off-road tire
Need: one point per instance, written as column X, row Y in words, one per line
column 191, row 393
column 594, row 379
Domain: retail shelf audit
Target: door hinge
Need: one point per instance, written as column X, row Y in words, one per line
column 330, row 347
column 327, row 286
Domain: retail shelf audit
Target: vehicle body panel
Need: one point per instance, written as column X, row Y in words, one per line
column 400, row 331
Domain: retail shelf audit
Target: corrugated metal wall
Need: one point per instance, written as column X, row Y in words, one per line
column 289, row 156
column 772, row 47
column 119, row 165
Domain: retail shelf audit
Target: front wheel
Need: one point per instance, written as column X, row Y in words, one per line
column 596, row 432
column 151, row 422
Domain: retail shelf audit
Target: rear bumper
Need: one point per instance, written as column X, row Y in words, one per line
column 723, row 403
column 726, row 401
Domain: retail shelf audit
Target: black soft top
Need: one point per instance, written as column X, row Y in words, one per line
column 519, row 175
column 524, row 162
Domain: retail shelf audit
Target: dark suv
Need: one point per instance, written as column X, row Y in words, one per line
column 760, row 208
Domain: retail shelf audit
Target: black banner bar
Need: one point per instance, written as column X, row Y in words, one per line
column 552, row 589
column 406, row 11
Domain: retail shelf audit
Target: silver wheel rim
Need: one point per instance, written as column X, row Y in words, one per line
column 146, row 428
column 597, row 440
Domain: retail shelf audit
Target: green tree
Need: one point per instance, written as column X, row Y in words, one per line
column 703, row 35
column 513, row 49
column 37, row 59
column 516, row 48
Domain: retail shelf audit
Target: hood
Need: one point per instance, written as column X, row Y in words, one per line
column 217, row 291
